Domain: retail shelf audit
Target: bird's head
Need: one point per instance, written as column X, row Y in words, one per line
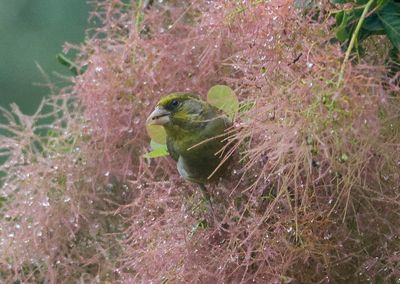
column 176, row 109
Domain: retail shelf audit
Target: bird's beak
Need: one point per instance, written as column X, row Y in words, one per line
column 159, row 116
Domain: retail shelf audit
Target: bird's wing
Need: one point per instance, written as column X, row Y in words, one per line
column 216, row 126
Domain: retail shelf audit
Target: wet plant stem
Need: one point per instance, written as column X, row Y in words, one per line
column 353, row 40
column 139, row 14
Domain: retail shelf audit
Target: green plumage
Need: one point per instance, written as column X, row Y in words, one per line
column 195, row 130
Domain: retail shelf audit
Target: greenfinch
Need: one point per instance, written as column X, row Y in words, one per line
column 195, row 135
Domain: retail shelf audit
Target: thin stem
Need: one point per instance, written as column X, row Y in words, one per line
column 353, row 40
column 139, row 14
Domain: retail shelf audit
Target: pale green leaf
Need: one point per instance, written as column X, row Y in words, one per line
column 224, row 98
column 158, row 150
column 154, row 145
column 157, row 133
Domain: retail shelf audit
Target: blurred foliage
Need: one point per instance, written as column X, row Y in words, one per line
column 382, row 18
column 365, row 19
column 33, row 32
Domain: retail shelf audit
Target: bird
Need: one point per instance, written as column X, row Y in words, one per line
column 195, row 133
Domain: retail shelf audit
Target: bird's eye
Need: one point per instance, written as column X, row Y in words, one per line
column 174, row 103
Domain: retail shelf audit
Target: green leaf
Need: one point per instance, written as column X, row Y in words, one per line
column 341, row 23
column 2, row 201
column 305, row 4
column 158, row 150
column 157, row 133
column 339, row 18
column 156, row 154
column 339, row 1
column 224, row 98
column 373, row 24
column 154, row 145
column 390, row 18
column 200, row 225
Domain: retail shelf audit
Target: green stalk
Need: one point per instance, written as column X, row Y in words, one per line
column 353, row 40
column 139, row 14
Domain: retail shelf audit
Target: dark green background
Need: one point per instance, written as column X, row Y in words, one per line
column 34, row 31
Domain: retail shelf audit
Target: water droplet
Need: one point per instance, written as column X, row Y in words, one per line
column 45, row 203
column 67, row 199
column 107, row 173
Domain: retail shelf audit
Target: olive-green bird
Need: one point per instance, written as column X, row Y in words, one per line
column 195, row 130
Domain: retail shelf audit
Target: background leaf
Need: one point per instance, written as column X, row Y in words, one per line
column 158, row 150
column 224, row 98
column 373, row 24
column 341, row 23
column 157, row 134
column 339, row 1
column 390, row 18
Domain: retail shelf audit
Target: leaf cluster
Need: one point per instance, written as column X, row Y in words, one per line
column 382, row 18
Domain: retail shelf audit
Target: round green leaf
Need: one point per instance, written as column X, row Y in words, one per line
column 390, row 18
column 157, row 133
column 224, row 98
